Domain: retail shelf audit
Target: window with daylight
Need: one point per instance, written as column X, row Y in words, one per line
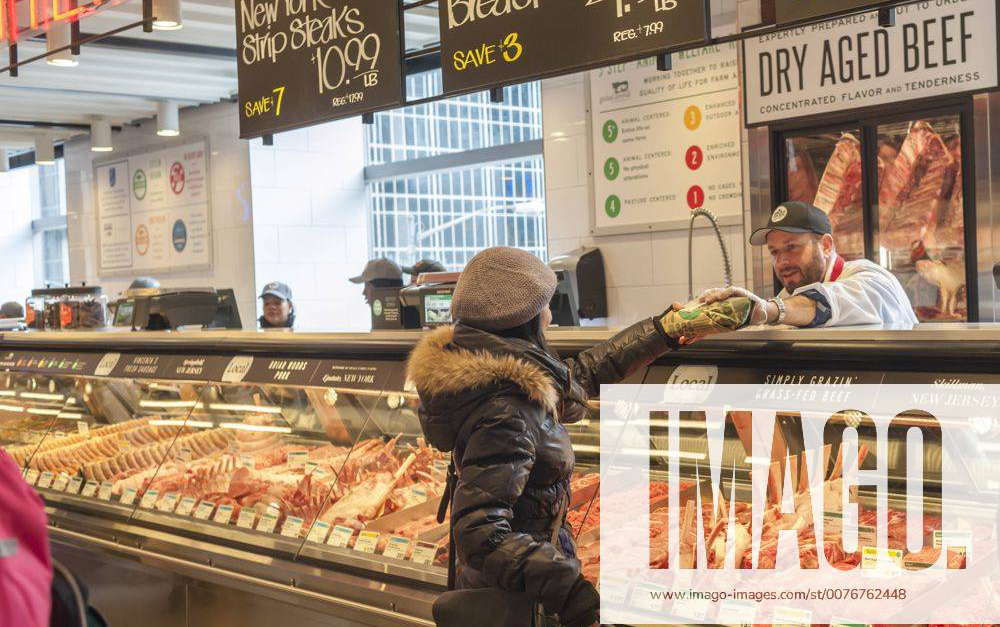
column 449, row 178
column 52, row 255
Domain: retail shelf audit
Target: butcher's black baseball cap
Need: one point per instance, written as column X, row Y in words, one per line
column 379, row 269
column 794, row 217
column 423, row 266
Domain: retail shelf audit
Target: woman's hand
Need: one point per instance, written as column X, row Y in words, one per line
column 682, row 340
column 759, row 315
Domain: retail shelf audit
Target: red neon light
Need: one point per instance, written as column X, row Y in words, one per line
column 43, row 13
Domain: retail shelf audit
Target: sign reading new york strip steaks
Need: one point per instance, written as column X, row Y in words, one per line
column 308, row 61
column 493, row 42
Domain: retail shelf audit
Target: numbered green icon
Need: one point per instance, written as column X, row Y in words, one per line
column 610, row 131
column 611, row 169
column 139, row 184
column 613, row 206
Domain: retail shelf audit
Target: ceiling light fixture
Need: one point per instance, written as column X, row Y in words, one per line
column 60, row 35
column 168, row 120
column 100, row 136
column 167, row 14
column 45, row 151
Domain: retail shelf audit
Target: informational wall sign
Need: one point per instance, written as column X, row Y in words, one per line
column 665, row 143
column 788, row 11
column 935, row 49
column 153, row 211
column 485, row 42
column 303, row 62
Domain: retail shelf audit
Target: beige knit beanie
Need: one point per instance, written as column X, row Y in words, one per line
column 501, row 288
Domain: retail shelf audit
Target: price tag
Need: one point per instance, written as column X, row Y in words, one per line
column 45, row 481
column 185, row 454
column 149, row 499
column 292, row 527
column 267, row 523
column 367, row 542
column 89, row 489
column 319, row 531
column 419, row 494
column 204, row 511
column 60, row 483
column 83, row 428
column 311, row 467
column 397, row 548
column 169, row 502
column 732, row 612
column 186, row 506
column 247, row 518
column 423, row 553
column 104, row 493
column 340, row 536
column 74, row 485
column 128, row 496
column 297, row 459
column 881, row 563
column 791, row 616
column 247, row 461
column 224, row 514
column 31, row 476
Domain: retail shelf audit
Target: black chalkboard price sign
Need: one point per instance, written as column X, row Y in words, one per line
column 790, row 11
column 307, row 61
column 493, row 42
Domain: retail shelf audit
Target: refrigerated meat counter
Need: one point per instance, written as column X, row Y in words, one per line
column 211, row 478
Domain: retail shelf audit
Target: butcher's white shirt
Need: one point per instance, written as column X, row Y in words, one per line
column 864, row 293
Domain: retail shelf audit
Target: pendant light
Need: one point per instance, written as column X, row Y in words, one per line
column 168, row 120
column 45, row 151
column 167, row 14
column 100, row 136
column 60, row 36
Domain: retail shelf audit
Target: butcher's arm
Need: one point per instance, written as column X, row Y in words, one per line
column 611, row 361
column 851, row 300
column 493, row 473
column 799, row 311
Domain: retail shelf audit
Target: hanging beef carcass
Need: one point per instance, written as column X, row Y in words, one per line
column 839, row 195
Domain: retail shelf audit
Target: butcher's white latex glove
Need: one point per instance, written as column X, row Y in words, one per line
column 714, row 295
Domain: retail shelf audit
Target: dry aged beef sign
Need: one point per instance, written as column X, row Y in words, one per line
column 308, row 61
column 935, row 48
column 494, row 42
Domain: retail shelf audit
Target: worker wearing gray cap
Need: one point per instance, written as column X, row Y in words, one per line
column 379, row 273
column 422, row 267
column 11, row 309
column 279, row 311
column 144, row 283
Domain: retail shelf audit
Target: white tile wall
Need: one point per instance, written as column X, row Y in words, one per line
column 229, row 169
column 311, row 221
column 645, row 272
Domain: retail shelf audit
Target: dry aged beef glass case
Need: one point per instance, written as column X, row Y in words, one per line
column 896, row 192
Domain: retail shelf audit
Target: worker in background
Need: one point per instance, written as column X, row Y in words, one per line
column 279, row 310
column 422, row 267
column 379, row 273
column 144, row 283
column 820, row 288
column 11, row 309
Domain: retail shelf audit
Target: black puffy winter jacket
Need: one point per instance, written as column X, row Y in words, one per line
column 496, row 403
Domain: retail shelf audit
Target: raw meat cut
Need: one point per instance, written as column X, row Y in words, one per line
column 802, row 179
column 839, row 195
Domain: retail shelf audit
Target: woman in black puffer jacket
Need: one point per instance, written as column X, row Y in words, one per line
column 495, row 395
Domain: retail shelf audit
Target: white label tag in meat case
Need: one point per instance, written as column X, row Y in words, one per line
column 267, row 523
column 60, row 483
column 104, row 493
column 397, row 548
column 246, row 519
column 204, row 511
column 791, row 616
column 83, row 428
column 224, row 514
column 292, row 527
column 423, row 553
column 74, row 485
column 45, row 481
column 247, row 461
column 367, row 542
column 319, row 532
column 31, row 476
column 169, row 502
column 89, row 489
column 732, row 612
column 340, row 536
column 881, row 563
column 185, row 454
column 297, row 459
column 186, row 506
column 149, row 499
column 311, row 467
column 128, row 496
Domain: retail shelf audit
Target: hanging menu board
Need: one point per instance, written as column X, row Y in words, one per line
column 665, row 143
column 485, row 42
column 935, row 49
column 789, row 11
column 306, row 61
column 153, row 212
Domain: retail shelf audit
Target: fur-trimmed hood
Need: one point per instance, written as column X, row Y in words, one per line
column 438, row 367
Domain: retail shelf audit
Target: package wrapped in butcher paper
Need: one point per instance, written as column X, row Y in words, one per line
column 698, row 320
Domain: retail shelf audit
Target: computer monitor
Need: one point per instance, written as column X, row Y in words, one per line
column 437, row 309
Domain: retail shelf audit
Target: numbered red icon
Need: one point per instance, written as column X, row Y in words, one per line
column 694, row 157
column 696, row 197
column 177, row 177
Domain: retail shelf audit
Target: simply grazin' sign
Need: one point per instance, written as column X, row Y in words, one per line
column 494, row 42
column 308, row 61
column 935, row 48
column 807, row 500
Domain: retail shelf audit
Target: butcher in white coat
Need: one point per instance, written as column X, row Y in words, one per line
column 820, row 288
